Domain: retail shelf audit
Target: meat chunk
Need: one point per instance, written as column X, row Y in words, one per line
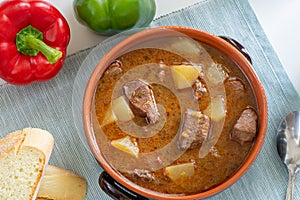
column 114, row 68
column 246, row 127
column 236, row 85
column 194, row 129
column 142, row 100
column 199, row 89
column 143, row 175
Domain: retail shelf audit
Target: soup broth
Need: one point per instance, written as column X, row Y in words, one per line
column 195, row 173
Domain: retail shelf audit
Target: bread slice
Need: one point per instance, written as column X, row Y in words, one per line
column 61, row 184
column 24, row 155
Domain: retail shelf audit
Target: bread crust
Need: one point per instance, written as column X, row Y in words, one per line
column 11, row 141
column 40, row 139
column 37, row 140
column 62, row 184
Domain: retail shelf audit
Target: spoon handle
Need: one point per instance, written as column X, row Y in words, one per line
column 291, row 186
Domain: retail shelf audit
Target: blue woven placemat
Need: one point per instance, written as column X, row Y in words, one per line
column 49, row 105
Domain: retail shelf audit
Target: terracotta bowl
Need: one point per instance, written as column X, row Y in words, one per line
column 207, row 38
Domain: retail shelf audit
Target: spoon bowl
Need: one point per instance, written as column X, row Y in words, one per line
column 288, row 147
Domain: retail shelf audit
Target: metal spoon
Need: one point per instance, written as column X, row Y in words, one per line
column 288, row 147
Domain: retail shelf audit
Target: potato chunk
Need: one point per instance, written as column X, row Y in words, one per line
column 184, row 170
column 184, row 76
column 125, row 144
column 216, row 75
column 109, row 117
column 121, row 109
column 216, row 110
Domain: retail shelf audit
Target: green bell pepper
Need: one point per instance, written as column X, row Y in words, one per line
column 108, row 17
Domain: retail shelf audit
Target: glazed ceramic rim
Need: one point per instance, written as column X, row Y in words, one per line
column 205, row 37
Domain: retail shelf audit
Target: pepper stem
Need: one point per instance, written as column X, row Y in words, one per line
column 52, row 55
column 29, row 41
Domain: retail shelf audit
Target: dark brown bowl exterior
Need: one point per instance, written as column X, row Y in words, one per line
column 202, row 36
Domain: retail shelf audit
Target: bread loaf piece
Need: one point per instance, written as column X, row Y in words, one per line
column 24, row 155
column 61, row 184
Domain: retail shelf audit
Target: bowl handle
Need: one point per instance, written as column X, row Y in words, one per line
column 116, row 190
column 238, row 46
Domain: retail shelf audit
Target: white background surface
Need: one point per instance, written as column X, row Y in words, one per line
column 279, row 19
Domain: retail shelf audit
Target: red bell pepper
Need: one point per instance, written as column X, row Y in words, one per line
column 33, row 40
